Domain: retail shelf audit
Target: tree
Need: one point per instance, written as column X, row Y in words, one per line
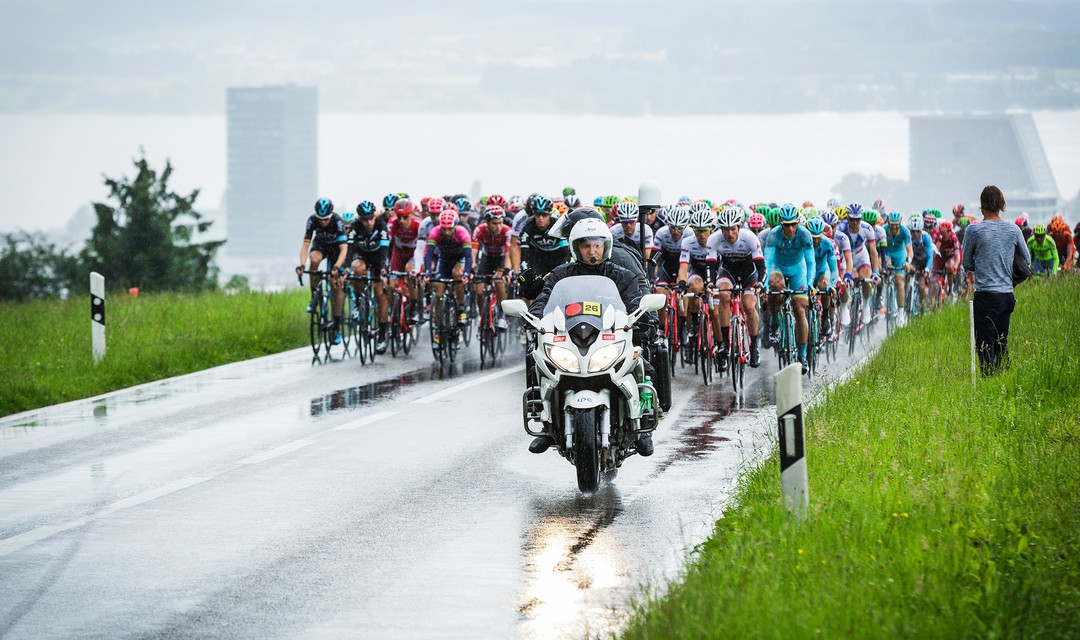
column 857, row 187
column 145, row 237
column 32, row 268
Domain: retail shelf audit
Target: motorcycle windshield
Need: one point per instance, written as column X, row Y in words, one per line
column 583, row 298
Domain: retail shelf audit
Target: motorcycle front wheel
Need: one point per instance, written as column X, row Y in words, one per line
column 586, row 450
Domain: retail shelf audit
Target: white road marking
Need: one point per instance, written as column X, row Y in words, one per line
column 439, row 395
column 375, row 417
column 273, row 453
column 14, row 543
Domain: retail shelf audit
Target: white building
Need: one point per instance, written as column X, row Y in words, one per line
column 273, row 175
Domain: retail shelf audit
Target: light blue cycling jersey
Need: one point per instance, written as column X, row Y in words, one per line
column 896, row 250
column 793, row 257
column 825, row 258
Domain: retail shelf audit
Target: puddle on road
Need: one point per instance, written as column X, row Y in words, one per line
column 365, row 394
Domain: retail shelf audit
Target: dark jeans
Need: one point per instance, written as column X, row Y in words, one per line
column 992, row 313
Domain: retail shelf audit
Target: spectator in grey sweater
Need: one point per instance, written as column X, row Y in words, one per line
column 989, row 250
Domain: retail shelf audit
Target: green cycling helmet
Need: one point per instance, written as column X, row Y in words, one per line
column 870, row 216
column 610, row 201
column 964, row 221
column 811, row 213
column 936, row 212
column 772, row 216
column 1040, row 229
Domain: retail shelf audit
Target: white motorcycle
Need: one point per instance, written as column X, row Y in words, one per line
column 593, row 396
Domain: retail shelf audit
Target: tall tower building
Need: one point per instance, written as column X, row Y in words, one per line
column 273, row 169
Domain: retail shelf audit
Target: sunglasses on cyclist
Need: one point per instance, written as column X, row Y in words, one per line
column 702, row 229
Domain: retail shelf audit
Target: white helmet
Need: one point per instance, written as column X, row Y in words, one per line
column 678, row 216
column 627, row 211
column 702, row 218
column 590, row 229
column 730, row 217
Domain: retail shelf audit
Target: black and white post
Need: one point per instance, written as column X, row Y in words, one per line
column 97, row 315
column 789, row 415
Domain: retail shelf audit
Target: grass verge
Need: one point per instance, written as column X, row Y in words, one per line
column 937, row 511
column 46, row 344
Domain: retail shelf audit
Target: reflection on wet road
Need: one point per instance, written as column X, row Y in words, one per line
column 278, row 499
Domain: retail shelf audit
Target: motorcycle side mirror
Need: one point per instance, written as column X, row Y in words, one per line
column 518, row 309
column 649, row 302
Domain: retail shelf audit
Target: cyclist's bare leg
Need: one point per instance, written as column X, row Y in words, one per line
column 749, row 308
column 802, row 330
column 315, row 258
column 696, row 286
column 901, row 293
column 459, row 287
column 662, row 313
column 722, row 318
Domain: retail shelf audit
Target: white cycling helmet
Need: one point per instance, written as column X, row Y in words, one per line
column 731, row 217
column 702, row 218
column 627, row 211
column 590, row 229
column 915, row 222
column 678, row 216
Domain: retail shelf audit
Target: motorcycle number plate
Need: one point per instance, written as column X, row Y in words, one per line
column 583, row 308
column 559, row 339
column 608, row 336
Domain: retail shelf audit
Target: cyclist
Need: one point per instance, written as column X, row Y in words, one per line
column 591, row 244
column 325, row 237
column 1043, row 250
column 694, row 267
column 449, row 255
column 922, row 252
column 407, row 246
column 741, row 263
column 492, row 240
column 667, row 246
column 627, row 231
column 535, row 248
column 898, row 253
column 1025, row 227
column 864, row 256
column 388, row 205
column 826, row 272
column 947, row 259
column 874, row 219
column 368, row 244
column 789, row 260
column 1059, row 231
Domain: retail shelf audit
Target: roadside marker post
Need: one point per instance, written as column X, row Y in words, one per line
column 97, row 315
column 971, row 317
column 789, row 417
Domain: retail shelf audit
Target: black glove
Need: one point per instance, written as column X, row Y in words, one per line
column 531, row 284
column 681, row 286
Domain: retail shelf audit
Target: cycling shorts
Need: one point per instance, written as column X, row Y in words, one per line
column 445, row 269
column 794, row 276
column 1040, row 266
column 895, row 260
column 940, row 261
column 399, row 259
column 371, row 259
column 744, row 280
column 665, row 277
column 488, row 265
column 697, row 270
column 329, row 251
column 860, row 258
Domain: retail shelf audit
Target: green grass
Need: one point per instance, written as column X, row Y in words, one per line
column 46, row 344
column 937, row 511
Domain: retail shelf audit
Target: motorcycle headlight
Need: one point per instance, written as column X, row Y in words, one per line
column 563, row 358
column 605, row 357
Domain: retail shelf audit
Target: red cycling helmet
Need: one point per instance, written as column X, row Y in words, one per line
column 403, row 206
column 436, row 205
column 448, row 218
column 945, row 226
column 496, row 200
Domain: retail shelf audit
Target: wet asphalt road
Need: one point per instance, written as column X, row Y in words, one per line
column 275, row 498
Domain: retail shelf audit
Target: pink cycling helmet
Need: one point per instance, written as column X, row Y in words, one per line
column 1021, row 220
column 447, row 218
column 436, row 205
column 756, row 221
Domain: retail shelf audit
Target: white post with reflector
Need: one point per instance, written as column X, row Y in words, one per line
column 648, row 195
column 789, row 415
column 97, row 315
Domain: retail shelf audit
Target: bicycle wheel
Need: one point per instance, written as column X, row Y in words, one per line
column 361, row 313
column 737, row 346
column 890, row 307
column 671, row 334
column 408, row 330
column 705, row 355
column 451, row 313
column 487, row 343
column 856, row 319
column 348, row 327
column 326, row 319
column 396, row 328
column 813, row 337
column 467, row 330
column 314, row 321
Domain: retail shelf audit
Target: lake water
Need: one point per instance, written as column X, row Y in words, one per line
column 50, row 165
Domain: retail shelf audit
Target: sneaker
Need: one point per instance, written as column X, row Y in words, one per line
column 308, row 309
column 435, row 339
column 774, row 335
column 380, row 345
column 723, row 354
column 463, row 318
column 805, row 367
column 501, row 324
column 541, row 444
column 755, row 357
column 644, row 446
column 826, row 327
column 336, row 339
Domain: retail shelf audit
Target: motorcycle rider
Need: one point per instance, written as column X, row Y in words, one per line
column 590, row 252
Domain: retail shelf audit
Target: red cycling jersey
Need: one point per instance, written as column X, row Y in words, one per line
column 404, row 236
column 493, row 244
column 948, row 245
